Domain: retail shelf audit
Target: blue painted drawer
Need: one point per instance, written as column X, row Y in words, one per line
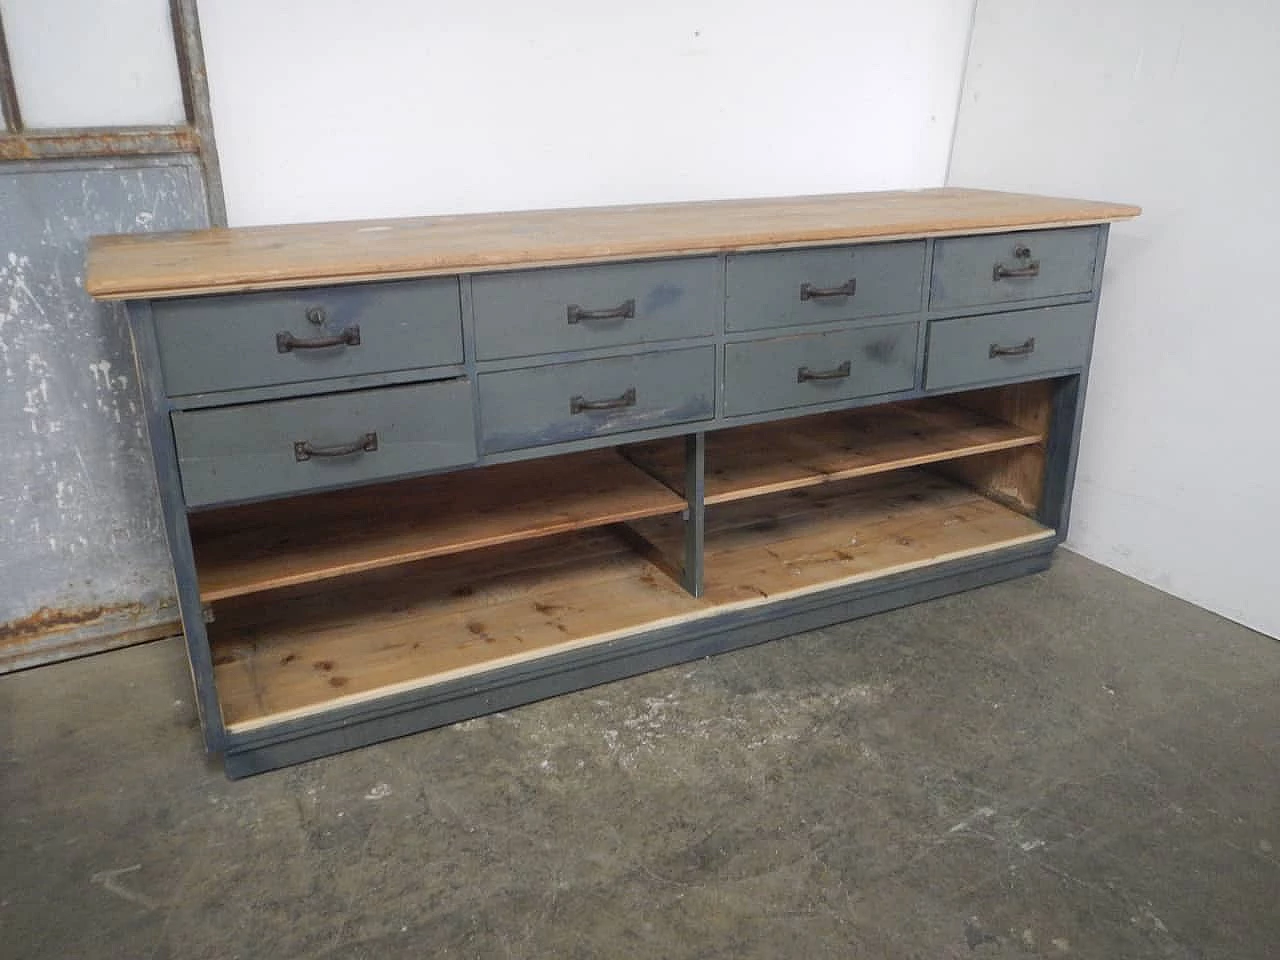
column 1006, row 346
column 815, row 368
column 793, row 287
column 532, row 312
column 291, row 446
column 229, row 342
column 1011, row 267
column 572, row 401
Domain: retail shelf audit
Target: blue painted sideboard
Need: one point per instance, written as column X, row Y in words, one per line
column 416, row 471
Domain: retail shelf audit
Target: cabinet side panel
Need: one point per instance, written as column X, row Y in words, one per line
column 173, row 509
column 1064, row 438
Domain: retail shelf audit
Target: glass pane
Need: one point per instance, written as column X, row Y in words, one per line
column 85, row 63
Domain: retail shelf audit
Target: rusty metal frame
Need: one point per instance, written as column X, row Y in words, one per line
column 194, row 137
column 195, row 99
column 97, row 142
column 8, row 92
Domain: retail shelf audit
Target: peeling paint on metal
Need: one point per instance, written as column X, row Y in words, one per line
column 81, row 540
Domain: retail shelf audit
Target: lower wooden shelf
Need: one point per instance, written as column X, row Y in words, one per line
column 305, row 649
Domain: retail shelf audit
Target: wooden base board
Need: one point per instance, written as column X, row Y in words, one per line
column 307, row 649
column 772, row 457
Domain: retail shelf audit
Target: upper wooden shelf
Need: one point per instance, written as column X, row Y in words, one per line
column 282, row 543
column 261, row 258
column 773, row 457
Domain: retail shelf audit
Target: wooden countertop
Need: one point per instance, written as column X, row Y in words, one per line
column 147, row 266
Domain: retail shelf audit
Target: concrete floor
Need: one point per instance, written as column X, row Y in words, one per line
column 1070, row 765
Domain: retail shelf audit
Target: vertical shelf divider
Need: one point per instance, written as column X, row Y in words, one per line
column 695, row 460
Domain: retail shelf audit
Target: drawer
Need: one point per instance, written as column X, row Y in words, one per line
column 258, row 339
column 1006, row 346
column 792, row 287
column 1007, row 267
column 290, row 446
column 819, row 368
column 570, row 401
column 578, row 308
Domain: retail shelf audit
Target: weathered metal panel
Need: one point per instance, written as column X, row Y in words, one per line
column 82, row 553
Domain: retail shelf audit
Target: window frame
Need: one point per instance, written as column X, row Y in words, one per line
column 194, row 137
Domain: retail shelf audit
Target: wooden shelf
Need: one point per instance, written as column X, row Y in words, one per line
column 810, row 539
column 306, row 649
column 265, row 546
column 773, row 457
column 314, row 647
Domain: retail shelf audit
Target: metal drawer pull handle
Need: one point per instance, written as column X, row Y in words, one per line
column 303, row 450
column 1026, row 266
column 349, row 337
column 839, row 373
column 1021, row 350
column 581, row 404
column 623, row 311
column 809, row 292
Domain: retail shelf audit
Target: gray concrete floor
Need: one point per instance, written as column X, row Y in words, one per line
column 1069, row 765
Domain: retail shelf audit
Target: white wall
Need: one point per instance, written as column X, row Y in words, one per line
column 1173, row 105
column 338, row 109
